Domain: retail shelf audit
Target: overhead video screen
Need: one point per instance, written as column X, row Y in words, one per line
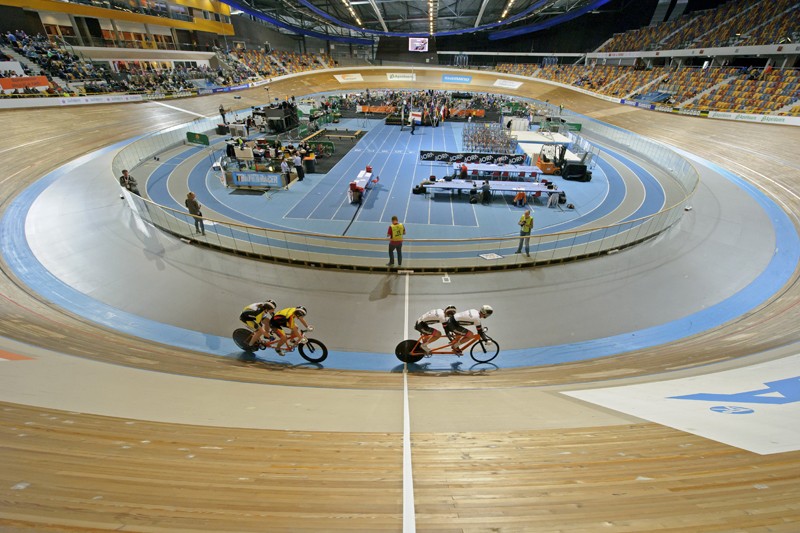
column 417, row 44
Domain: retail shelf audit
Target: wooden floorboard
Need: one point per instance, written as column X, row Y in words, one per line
column 76, row 472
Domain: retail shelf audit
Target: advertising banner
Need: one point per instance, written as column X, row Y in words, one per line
column 468, row 113
column 401, row 76
column 453, row 78
column 257, row 179
column 508, row 84
column 744, row 117
column 634, row 103
column 167, row 96
column 110, row 99
column 20, row 82
column 197, row 138
column 435, row 156
column 345, row 78
column 379, row 109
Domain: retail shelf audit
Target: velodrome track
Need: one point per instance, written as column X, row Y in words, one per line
column 503, row 451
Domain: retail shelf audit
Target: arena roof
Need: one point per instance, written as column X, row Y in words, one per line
column 372, row 18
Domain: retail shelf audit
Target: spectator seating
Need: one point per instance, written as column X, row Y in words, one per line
column 735, row 23
column 758, row 91
column 85, row 78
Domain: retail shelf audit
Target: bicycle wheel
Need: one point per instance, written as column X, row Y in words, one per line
column 405, row 351
column 313, row 351
column 241, row 336
column 484, row 350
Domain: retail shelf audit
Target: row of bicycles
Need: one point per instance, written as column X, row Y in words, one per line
column 481, row 348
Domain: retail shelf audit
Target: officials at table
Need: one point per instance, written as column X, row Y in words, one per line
column 496, row 171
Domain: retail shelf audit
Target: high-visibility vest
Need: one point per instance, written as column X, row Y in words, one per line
column 397, row 231
column 527, row 224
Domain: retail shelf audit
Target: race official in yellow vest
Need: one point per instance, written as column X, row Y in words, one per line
column 525, row 227
column 395, row 234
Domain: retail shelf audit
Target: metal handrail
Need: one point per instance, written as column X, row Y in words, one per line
column 369, row 253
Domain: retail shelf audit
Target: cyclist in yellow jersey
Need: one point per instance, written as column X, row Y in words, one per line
column 395, row 234
column 285, row 319
column 256, row 316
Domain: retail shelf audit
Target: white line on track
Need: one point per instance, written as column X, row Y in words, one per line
column 44, row 139
column 15, row 173
column 788, row 191
column 179, row 109
column 409, row 514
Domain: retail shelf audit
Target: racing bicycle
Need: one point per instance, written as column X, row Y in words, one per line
column 482, row 348
column 312, row 350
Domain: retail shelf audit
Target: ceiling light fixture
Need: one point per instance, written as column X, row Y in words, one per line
column 352, row 11
column 433, row 13
column 508, row 7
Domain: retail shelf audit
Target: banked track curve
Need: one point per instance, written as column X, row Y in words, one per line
column 762, row 154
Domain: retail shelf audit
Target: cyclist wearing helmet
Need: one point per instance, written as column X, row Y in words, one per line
column 457, row 325
column 285, row 319
column 434, row 316
column 256, row 317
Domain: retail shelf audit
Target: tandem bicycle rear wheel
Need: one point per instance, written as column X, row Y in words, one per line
column 405, row 351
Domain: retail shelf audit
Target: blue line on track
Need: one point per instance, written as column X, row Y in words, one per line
column 24, row 264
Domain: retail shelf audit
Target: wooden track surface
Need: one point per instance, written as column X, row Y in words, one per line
column 637, row 477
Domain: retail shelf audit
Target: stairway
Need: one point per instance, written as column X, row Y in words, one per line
column 643, row 89
column 787, row 107
column 35, row 69
column 699, row 95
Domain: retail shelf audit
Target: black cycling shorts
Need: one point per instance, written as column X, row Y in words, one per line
column 278, row 321
column 423, row 328
column 249, row 318
column 452, row 326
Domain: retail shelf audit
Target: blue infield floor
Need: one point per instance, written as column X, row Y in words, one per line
column 319, row 204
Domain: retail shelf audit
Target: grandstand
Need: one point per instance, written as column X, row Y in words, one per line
column 663, row 79
column 735, row 23
column 657, row 72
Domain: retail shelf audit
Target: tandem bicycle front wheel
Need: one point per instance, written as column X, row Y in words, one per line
column 405, row 351
column 484, row 350
column 313, row 351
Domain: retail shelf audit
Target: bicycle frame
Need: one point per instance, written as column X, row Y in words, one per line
column 289, row 346
column 311, row 350
column 446, row 349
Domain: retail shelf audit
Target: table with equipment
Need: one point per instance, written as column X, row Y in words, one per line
column 531, row 188
column 359, row 186
column 495, row 170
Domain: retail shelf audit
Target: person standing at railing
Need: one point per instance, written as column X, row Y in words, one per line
column 525, row 227
column 127, row 181
column 395, row 233
column 194, row 209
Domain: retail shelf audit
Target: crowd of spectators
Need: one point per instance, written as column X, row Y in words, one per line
column 720, row 88
column 83, row 77
column 424, row 99
column 52, row 60
column 146, row 79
